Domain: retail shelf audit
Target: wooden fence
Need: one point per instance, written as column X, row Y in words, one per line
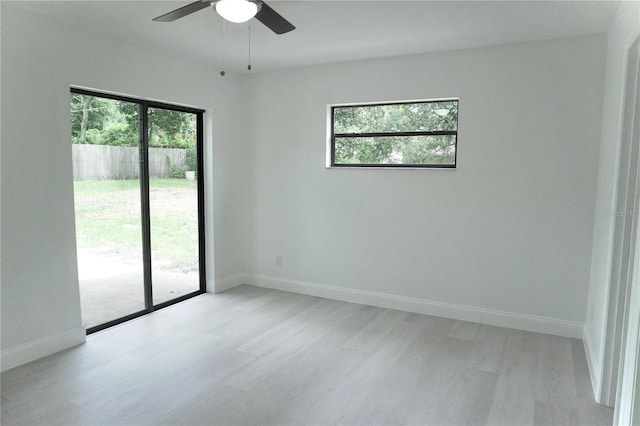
column 106, row 162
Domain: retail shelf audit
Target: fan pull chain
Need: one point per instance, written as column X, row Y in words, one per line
column 249, row 57
column 224, row 36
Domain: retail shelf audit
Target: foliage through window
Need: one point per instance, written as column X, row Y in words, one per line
column 101, row 121
column 407, row 134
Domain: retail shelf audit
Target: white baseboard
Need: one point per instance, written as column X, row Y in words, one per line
column 226, row 283
column 538, row 324
column 30, row 351
column 592, row 364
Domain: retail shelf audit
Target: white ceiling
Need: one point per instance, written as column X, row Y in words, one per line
column 332, row 31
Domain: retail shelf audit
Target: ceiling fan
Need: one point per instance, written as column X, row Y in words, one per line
column 235, row 11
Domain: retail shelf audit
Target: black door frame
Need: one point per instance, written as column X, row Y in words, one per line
column 143, row 108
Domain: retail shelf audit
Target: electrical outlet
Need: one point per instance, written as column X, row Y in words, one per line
column 279, row 260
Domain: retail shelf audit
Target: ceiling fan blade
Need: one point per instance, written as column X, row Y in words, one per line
column 183, row 11
column 273, row 20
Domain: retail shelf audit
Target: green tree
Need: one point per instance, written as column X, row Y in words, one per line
column 104, row 121
column 87, row 112
column 167, row 128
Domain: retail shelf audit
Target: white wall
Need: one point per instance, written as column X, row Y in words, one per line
column 40, row 60
column 623, row 30
column 505, row 238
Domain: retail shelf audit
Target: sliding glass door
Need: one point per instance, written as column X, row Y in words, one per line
column 138, row 205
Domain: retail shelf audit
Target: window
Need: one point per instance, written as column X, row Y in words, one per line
column 397, row 134
column 139, row 205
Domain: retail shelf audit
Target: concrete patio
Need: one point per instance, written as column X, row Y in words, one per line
column 112, row 286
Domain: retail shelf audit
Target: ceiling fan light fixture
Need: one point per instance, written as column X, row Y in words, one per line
column 237, row 10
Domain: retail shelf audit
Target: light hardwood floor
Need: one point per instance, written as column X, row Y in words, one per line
column 253, row 356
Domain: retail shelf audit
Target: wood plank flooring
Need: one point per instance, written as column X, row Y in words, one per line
column 252, row 356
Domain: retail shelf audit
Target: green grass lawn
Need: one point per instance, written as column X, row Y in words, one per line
column 108, row 216
column 91, row 187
